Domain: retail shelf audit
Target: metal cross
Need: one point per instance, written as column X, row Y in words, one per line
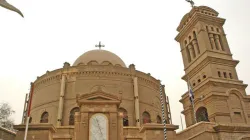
column 191, row 2
column 99, row 45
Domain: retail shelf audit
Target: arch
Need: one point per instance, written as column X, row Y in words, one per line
column 158, row 119
column 80, row 64
column 92, row 62
column 234, row 91
column 106, row 63
column 44, row 117
column 72, row 115
column 98, row 127
column 146, row 117
column 202, row 115
column 124, row 116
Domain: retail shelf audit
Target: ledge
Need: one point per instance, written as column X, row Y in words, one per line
column 40, row 126
column 231, row 127
column 7, row 130
column 155, row 126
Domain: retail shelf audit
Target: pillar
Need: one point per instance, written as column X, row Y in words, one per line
column 136, row 96
column 211, row 36
column 61, row 100
column 217, row 40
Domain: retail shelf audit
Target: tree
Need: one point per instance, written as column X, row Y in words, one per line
column 5, row 113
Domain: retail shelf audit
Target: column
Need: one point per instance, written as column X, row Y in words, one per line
column 196, row 47
column 217, row 40
column 136, row 96
column 191, row 50
column 61, row 100
column 211, row 36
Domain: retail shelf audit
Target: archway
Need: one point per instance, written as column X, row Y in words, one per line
column 44, row 117
column 124, row 116
column 146, row 117
column 72, row 115
column 202, row 115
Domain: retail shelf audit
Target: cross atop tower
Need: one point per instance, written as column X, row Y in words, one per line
column 99, row 45
column 191, row 2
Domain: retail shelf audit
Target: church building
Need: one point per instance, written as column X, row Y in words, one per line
column 99, row 97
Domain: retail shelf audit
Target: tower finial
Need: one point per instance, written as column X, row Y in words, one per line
column 99, row 45
column 191, row 2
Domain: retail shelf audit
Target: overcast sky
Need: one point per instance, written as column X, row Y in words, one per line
column 139, row 31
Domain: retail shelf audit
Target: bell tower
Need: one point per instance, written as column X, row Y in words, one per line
column 219, row 96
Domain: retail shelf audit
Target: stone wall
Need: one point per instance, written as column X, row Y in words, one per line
column 6, row 134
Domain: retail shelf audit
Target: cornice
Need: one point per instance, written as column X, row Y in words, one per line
column 191, row 18
column 232, row 128
column 93, row 71
column 40, row 126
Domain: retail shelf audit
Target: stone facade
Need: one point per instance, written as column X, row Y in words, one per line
column 100, row 97
column 6, row 134
column 219, row 96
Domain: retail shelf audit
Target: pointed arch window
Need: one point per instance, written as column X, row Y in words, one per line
column 72, row 115
column 124, row 115
column 158, row 119
column 146, row 117
column 202, row 115
column 44, row 117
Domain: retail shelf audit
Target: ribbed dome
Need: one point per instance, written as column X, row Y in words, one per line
column 100, row 57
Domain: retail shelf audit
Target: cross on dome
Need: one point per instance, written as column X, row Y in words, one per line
column 99, row 45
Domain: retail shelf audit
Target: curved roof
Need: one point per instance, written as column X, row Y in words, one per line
column 100, row 57
column 193, row 10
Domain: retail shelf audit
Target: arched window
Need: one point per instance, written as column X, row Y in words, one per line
column 146, row 117
column 201, row 115
column 44, row 117
column 158, row 119
column 30, row 120
column 194, row 35
column 72, row 115
column 125, row 116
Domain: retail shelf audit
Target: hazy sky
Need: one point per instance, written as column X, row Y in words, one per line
column 139, row 31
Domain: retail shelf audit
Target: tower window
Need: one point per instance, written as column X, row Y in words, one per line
column 230, row 75
column 202, row 115
column 199, row 80
column 189, row 38
column 193, row 84
column 194, row 34
column 185, row 42
column 217, row 29
column 212, row 28
column 204, row 76
column 207, row 28
column 219, row 74
column 225, row 74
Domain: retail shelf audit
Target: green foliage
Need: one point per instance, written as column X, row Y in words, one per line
column 5, row 114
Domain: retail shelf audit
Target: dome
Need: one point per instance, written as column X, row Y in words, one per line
column 99, row 57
